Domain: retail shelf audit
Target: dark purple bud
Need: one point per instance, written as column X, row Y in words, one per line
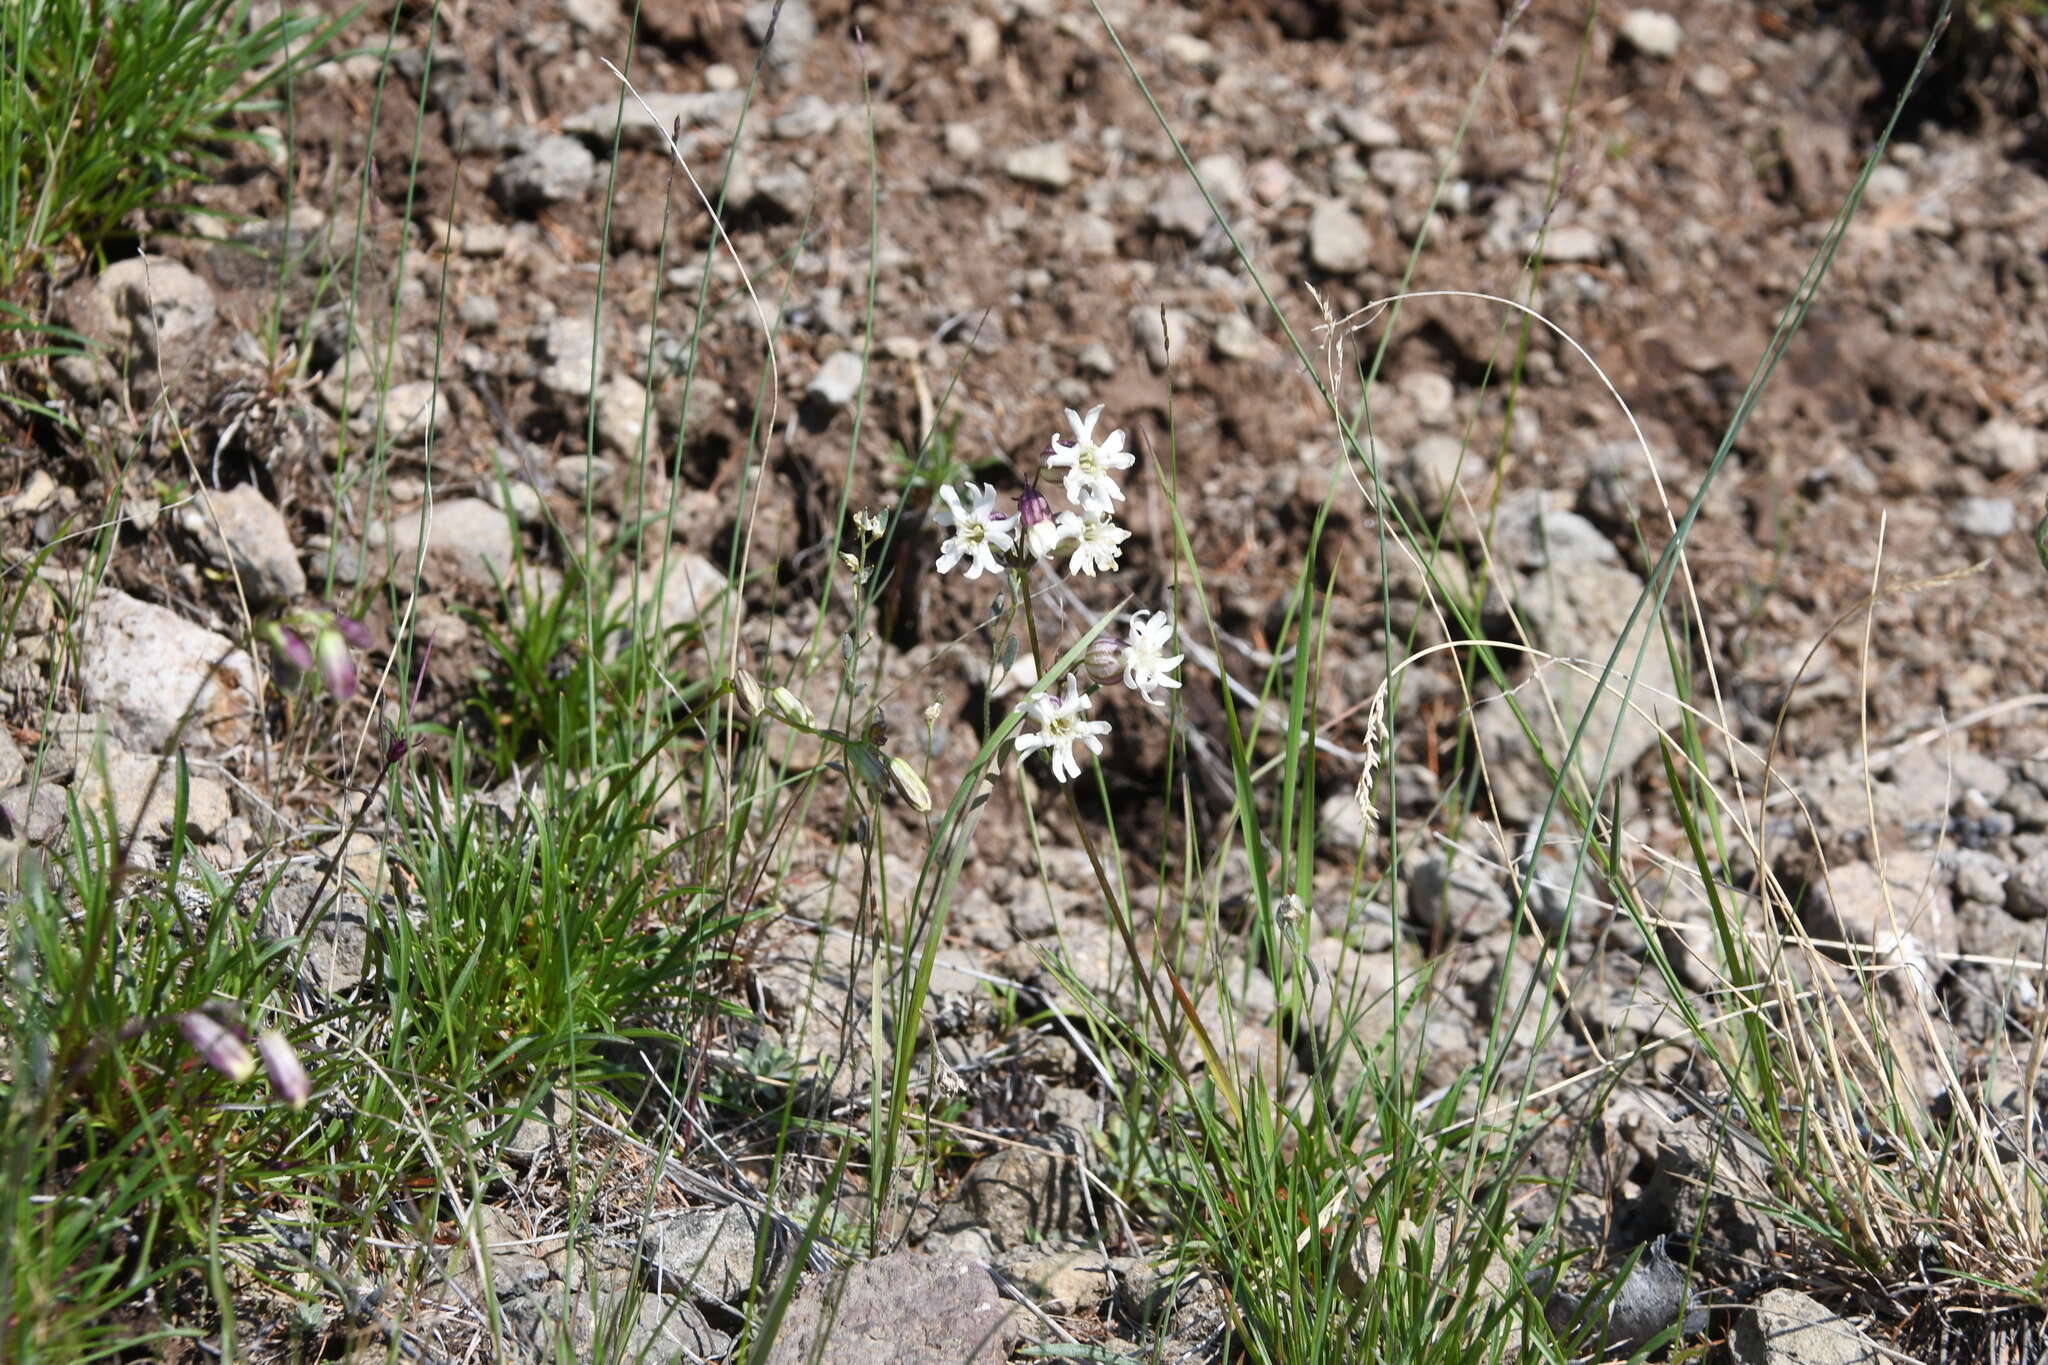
column 337, row 665
column 216, row 1045
column 1105, row 659
column 355, row 632
column 1034, row 508
column 281, row 1064
column 289, row 647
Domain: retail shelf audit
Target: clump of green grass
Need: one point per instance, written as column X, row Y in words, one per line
column 112, row 107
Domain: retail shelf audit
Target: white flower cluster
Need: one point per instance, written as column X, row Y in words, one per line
column 984, row 540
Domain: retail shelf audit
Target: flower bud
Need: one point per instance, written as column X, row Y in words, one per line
column 281, row 1064
column 216, row 1045
column 1105, row 660
column 355, row 632
column 909, row 785
column 337, row 665
column 288, row 648
column 747, row 694
column 793, row 708
column 1040, row 533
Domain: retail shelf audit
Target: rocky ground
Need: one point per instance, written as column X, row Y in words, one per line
column 1862, row 594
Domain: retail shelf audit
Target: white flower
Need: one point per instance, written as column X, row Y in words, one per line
column 1090, row 485
column 979, row 532
column 1146, row 663
column 1097, row 542
column 1064, row 727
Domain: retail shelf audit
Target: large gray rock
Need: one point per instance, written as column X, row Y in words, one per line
column 467, row 543
column 1903, row 915
column 155, row 675
column 905, row 1308
column 337, row 936
column 1019, row 1196
column 1166, row 339
column 2004, row 446
column 643, row 125
column 141, row 315
column 2026, row 889
column 705, row 1255
column 1574, row 597
column 1181, row 210
column 143, row 789
column 556, row 170
column 1622, row 1318
column 240, row 528
column 688, row 588
column 1456, row 895
column 607, row 1310
column 1785, row 1327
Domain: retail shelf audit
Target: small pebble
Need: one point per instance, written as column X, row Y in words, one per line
column 1652, row 33
column 837, row 382
column 1369, row 131
column 1338, row 240
column 1236, row 338
column 963, row 143
column 1044, row 165
column 1095, row 361
column 1987, row 517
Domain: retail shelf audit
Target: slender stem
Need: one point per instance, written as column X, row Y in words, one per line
column 1119, row 915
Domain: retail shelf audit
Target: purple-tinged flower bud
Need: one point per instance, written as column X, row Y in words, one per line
column 337, row 665
column 355, row 632
column 288, row 647
column 287, row 1076
column 1105, row 659
column 216, row 1045
column 1040, row 533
